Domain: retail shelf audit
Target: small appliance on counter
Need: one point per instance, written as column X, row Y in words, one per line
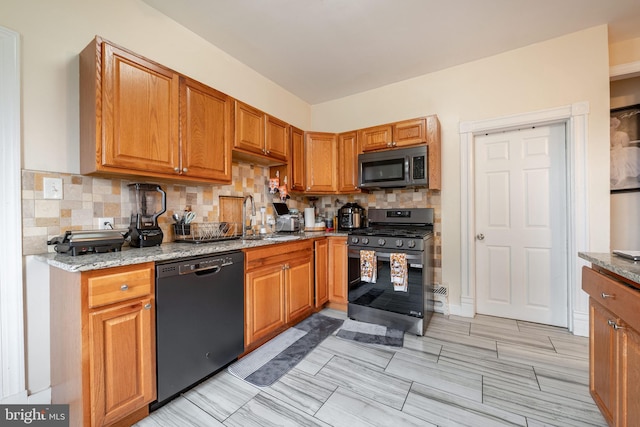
column 88, row 242
column 148, row 202
column 351, row 216
column 285, row 220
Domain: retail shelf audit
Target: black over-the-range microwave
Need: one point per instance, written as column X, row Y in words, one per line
column 397, row 168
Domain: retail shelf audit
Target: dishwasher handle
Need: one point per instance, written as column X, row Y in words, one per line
column 203, row 271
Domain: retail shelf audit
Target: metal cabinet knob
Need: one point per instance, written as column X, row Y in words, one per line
column 177, row 169
column 480, row 236
column 268, row 152
column 124, row 287
column 147, row 306
column 185, row 170
column 605, row 296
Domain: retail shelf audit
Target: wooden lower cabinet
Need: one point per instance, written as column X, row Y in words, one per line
column 103, row 344
column 614, row 347
column 279, row 289
column 338, row 287
column 321, row 255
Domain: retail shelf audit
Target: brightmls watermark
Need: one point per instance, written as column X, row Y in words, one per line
column 34, row 415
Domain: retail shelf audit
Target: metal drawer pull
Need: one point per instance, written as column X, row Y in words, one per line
column 614, row 324
column 605, row 296
column 124, row 287
column 147, row 306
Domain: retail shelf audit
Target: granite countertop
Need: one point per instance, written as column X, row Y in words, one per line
column 164, row 252
column 618, row 265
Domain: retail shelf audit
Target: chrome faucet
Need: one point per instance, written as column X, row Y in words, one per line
column 244, row 215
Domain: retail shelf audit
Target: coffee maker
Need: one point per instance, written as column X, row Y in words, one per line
column 148, row 202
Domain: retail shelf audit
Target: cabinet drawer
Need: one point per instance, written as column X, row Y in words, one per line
column 119, row 286
column 612, row 294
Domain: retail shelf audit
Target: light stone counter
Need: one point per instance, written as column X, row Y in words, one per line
column 164, row 252
column 618, row 265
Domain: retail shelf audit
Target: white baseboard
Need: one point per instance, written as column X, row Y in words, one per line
column 580, row 324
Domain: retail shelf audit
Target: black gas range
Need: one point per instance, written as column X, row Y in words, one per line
column 396, row 240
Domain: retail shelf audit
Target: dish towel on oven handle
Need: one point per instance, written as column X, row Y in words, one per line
column 368, row 266
column 399, row 276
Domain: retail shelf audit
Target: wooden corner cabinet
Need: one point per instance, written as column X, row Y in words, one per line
column 614, row 346
column 279, row 289
column 321, row 163
column 139, row 118
column 103, row 344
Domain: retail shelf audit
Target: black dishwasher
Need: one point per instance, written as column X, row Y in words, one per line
column 199, row 319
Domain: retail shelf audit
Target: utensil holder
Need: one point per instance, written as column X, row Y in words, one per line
column 182, row 229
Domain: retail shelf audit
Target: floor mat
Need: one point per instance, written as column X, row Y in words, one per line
column 272, row 360
column 369, row 333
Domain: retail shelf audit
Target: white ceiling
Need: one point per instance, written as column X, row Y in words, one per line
column 321, row 50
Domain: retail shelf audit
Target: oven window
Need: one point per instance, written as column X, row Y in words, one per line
column 381, row 294
column 383, row 170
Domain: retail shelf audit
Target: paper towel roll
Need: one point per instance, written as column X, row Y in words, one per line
column 309, row 217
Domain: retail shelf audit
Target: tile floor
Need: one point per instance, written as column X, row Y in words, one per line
column 477, row 372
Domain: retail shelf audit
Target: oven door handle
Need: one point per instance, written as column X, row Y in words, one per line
column 355, row 253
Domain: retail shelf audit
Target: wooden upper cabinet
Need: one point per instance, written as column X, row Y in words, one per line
column 376, row 137
column 348, row 150
column 143, row 119
column 249, row 129
column 260, row 135
column 277, row 138
column 133, row 125
column 321, row 162
column 297, row 179
column 410, row 132
column 205, row 117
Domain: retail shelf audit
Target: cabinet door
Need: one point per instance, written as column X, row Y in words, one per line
column 122, row 360
column 376, row 138
column 299, row 287
column 277, row 138
column 629, row 379
column 139, row 113
column 205, row 119
column 348, row 150
column 321, row 162
column 297, row 160
column 338, row 270
column 602, row 355
column 410, row 132
column 249, row 129
column 322, row 272
column 264, row 302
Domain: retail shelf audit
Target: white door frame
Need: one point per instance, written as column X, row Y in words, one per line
column 575, row 117
column 12, row 360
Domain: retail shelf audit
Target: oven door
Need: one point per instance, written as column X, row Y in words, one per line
column 381, row 295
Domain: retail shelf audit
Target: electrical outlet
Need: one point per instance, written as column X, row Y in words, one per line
column 52, row 188
column 103, row 223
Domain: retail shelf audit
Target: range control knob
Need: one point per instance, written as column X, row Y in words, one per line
column 381, row 242
column 399, row 243
column 354, row 240
column 365, row 241
column 411, row 243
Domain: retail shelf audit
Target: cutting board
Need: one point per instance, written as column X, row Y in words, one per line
column 231, row 210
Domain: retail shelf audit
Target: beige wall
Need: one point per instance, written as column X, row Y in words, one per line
column 624, row 52
column 559, row 72
column 54, row 32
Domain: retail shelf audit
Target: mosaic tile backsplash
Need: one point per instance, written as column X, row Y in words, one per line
column 86, row 198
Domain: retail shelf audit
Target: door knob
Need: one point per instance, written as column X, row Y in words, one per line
column 480, row 236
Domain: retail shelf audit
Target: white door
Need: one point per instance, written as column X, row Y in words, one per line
column 521, row 232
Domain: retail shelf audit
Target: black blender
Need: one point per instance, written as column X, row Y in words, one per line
column 148, row 202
